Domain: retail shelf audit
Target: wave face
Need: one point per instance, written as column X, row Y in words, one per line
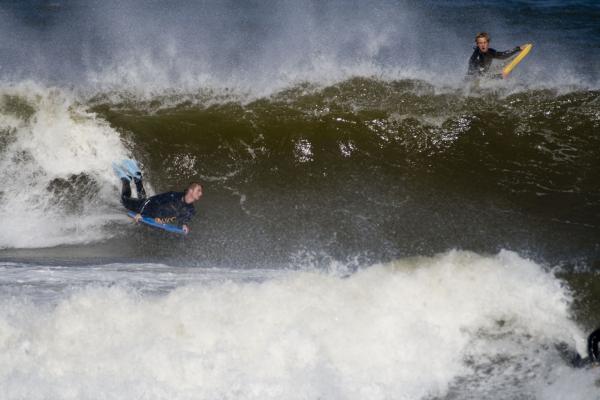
column 364, row 168
column 456, row 325
column 389, row 168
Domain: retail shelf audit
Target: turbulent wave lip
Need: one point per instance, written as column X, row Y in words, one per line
column 54, row 154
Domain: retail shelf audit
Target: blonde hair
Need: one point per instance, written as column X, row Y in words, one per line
column 483, row 35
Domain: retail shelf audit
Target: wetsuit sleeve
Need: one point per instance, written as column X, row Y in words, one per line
column 473, row 64
column 505, row 54
column 186, row 215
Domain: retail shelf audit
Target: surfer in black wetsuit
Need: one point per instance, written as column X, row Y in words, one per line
column 481, row 59
column 165, row 208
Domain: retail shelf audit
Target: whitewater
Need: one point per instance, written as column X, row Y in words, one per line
column 457, row 324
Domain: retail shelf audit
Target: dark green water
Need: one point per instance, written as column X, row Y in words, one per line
column 380, row 168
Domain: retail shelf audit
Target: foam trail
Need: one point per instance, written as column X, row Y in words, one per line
column 407, row 330
column 55, row 169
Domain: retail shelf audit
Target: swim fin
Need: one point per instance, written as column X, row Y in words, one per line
column 132, row 168
column 120, row 172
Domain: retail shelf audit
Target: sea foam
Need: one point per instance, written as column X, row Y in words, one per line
column 457, row 323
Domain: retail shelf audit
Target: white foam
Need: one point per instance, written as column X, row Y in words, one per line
column 58, row 141
column 407, row 330
column 568, row 383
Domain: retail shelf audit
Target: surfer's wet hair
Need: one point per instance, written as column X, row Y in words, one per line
column 483, row 35
column 193, row 186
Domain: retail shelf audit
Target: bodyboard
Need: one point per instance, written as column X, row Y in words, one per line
column 151, row 222
column 511, row 65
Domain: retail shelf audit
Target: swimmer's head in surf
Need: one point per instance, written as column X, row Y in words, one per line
column 482, row 39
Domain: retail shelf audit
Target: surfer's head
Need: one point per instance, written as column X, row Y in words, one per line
column 483, row 41
column 193, row 193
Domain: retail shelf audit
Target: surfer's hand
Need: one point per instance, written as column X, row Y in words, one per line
column 137, row 218
column 186, row 229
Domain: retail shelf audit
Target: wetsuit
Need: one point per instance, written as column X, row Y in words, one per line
column 479, row 63
column 593, row 346
column 168, row 206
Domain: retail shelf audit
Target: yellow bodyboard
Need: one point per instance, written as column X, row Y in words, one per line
column 507, row 70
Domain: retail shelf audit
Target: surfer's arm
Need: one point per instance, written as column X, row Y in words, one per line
column 506, row 54
column 473, row 64
column 184, row 217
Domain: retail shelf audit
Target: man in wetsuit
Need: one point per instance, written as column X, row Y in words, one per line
column 166, row 208
column 481, row 59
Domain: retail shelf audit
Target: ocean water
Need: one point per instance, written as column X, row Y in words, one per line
column 373, row 226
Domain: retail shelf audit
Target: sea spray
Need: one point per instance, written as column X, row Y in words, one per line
column 57, row 186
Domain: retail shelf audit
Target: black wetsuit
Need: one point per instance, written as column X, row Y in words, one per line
column 479, row 63
column 168, row 206
column 593, row 346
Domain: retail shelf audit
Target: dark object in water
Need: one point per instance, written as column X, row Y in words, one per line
column 593, row 346
column 573, row 358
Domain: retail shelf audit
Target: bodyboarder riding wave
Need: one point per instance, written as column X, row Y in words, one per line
column 166, row 208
